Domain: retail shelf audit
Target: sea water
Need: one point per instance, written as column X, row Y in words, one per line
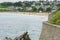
column 13, row 25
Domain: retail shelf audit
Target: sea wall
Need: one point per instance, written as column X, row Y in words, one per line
column 50, row 32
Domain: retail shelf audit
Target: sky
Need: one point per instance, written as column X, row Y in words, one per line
column 16, row 0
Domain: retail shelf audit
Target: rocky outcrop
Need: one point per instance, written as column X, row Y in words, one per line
column 7, row 38
column 24, row 36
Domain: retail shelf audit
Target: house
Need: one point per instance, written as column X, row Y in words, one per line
column 11, row 8
column 28, row 8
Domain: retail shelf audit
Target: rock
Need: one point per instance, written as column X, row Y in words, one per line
column 6, row 38
column 24, row 36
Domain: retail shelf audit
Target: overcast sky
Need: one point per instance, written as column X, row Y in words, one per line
column 16, row 0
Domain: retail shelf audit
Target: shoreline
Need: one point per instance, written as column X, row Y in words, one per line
column 30, row 13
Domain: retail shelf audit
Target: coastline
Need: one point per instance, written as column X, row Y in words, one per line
column 30, row 13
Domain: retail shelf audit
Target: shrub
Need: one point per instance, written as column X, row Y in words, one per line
column 40, row 9
column 48, row 9
column 34, row 9
column 58, row 22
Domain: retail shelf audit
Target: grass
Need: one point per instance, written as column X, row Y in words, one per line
column 3, row 9
column 56, row 18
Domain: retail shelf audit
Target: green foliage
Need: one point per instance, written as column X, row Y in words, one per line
column 34, row 9
column 47, row 3
column 27, row 4
column 56, row 11
column 58, row 5
column 58, row 22
column 40, row 9
column 18, row 3
column 56, row 18
column 6, row 4
column 48, row 9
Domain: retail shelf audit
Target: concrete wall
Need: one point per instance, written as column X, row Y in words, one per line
column 50, row 32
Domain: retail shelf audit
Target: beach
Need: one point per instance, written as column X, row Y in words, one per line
column 30, row 13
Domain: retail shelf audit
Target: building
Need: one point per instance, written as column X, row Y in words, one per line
column 41, row 0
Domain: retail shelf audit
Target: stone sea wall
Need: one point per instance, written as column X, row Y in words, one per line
column 50, row 32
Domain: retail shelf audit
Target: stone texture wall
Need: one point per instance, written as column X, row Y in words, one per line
column 50, row 32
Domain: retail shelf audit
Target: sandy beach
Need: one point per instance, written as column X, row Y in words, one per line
column 31, row 13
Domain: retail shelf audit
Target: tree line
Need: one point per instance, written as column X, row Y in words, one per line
column 19, row 4
column 31, row 4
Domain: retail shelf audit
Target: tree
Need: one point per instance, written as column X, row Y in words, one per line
column 34, row 9
column 38, row 4
column 58, row 5
column 18, row 3
column 27, row 4
column 47, row 3
column 40, row 9
column 48, row 9
column 6, row 4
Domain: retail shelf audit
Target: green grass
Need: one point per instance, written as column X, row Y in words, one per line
column 56, row 18
column 3, row 9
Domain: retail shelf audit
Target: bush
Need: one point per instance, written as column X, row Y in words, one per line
column 34, row 9
column 58, row 22
column 48, row 9
column 40, row 9
column 56, row 18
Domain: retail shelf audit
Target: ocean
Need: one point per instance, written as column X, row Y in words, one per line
column 13, row 25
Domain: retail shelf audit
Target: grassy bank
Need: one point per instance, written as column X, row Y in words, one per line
column 3, row 9
column 56, row 18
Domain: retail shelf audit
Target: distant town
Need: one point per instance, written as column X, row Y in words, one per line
column 30, row 6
